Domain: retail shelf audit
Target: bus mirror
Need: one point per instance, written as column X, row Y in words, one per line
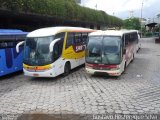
column 52, row 44
column 124, row 51
column 17, row 46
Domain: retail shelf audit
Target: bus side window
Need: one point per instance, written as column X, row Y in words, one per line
column 70, row 39
column 84, row 37
column 11, row 44
column 136, row 38
column 123, row 42
column 60, row 35
column 132, row 39
column 3, row 45
column 78, row 38
column 60, row 43
column 57, row 51
column 127, row 38
column 7, row 44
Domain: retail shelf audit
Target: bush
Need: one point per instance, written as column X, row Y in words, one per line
column 148, row 34
column 66, row 9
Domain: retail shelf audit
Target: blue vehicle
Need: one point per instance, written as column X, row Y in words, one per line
column 10, row 60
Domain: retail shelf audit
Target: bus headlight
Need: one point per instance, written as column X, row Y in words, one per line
column 116, row 68
column 43, row 68
column 88, row 65
column 37, row 68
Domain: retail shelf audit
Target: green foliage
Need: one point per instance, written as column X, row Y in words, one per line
column 132, row 23
column 148, row 34
column 65, row 9
column 143, row 29
column 157, row 28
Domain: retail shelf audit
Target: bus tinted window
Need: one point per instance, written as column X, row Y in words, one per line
column 78, row 38
column 70, row 40
column 3, row 45
column 84, row 37
column 60, row 35
column 57, row 52
column 127, row 38
column 131, row 37
column 8, row 44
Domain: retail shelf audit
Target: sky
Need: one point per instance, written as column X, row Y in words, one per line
column 122, row 8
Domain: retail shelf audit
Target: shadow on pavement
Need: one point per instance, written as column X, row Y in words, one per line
column 55, row 117
column 10, row 76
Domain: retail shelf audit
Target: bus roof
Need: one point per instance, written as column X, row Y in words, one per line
column 111, row 32
column 49, row 31
column 7, row 32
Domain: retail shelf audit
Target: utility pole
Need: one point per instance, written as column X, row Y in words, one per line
column 141, row 16
column 158, row 16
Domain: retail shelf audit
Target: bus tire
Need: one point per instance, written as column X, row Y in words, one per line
column 132, row 58
column 67, row 69
column 125, row 66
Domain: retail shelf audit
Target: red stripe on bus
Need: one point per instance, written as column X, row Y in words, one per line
column 101, row 66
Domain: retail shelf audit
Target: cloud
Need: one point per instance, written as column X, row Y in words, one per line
column 120, row 6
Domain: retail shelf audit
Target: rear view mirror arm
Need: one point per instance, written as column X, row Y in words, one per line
column 52, row 44
column 17, row 46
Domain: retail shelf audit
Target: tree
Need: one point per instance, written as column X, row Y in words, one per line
column 65, row 9
column 132, row 23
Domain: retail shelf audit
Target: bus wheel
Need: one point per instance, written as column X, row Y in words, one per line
column 125, row 66
column 67, row 69
column 132, row 58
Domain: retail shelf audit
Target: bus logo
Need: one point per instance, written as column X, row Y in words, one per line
column 79, row 48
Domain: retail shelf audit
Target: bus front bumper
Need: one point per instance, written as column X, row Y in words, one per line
column 47, row 73
column 107, row 72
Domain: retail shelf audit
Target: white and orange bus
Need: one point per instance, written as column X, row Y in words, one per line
column 110, row 51
column 49, row 52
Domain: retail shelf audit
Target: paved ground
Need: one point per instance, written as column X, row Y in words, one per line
column 136, row 91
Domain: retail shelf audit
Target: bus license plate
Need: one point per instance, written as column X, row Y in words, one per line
column 36, row 75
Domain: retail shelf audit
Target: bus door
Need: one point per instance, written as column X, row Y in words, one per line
column 57, row 54
column 68, row 53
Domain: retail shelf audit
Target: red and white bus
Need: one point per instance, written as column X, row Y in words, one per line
column 110, row 51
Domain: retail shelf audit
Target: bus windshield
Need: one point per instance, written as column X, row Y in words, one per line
column 104, row 50
column 36, row 51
